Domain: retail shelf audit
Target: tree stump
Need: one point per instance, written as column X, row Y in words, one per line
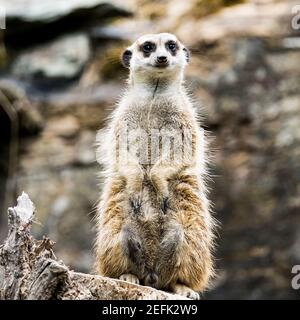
column 29, row 268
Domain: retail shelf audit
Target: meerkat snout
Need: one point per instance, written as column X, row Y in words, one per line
column 162, row 62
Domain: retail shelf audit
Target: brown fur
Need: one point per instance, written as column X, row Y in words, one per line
column 154, row 224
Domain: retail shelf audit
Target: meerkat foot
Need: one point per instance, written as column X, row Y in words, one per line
column 130, row 278
column 185, row 291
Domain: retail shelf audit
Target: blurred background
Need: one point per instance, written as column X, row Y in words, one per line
column 60, row 77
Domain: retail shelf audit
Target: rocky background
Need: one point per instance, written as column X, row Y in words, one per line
column 60, row 76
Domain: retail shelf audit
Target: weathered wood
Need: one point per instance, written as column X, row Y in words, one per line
column 30, row 270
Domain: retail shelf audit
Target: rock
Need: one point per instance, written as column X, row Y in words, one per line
column 65, row 127
column 252, row 19
column 32, row 20
column 94, row 97
column 85, row 154
column 30, row 119
column 62, row 59
column 125, row 30
column 291, row 42
column 213, row 20
column 256, row 169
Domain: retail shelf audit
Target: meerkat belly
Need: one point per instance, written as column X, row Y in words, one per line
column 149, row 222
column 152, row 220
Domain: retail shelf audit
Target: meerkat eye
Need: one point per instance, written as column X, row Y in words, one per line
column 148, row 47
column 171, row 45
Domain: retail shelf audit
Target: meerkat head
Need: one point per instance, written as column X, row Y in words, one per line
column 156, row 56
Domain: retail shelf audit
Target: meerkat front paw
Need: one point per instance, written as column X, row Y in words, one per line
column 164, row 204
column 130, row 278
column 185, row 291
column 136, row 204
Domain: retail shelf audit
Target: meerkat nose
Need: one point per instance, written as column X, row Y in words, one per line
column 162, row 59
column 151, row 279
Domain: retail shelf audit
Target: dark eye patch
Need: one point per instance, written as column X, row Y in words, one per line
column 147, row 48
column 172, row 46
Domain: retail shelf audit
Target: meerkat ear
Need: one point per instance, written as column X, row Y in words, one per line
column 126, row 57
column 187, row 54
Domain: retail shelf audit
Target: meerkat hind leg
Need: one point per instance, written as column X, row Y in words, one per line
column 130, row 278
column 185, row 291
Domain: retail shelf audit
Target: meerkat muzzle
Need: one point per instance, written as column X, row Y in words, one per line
column 151, row 279
column 162, row 62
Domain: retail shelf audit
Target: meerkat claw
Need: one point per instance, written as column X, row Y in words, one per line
column 185, row 291
column 136, row 204
column 193, row 295
column 164, row 205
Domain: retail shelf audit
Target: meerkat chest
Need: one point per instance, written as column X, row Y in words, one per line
column 156, row 128
column 158, row 115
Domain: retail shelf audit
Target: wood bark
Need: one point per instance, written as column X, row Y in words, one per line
column 29, row 268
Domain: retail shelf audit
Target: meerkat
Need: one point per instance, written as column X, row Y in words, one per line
column 154, row 222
